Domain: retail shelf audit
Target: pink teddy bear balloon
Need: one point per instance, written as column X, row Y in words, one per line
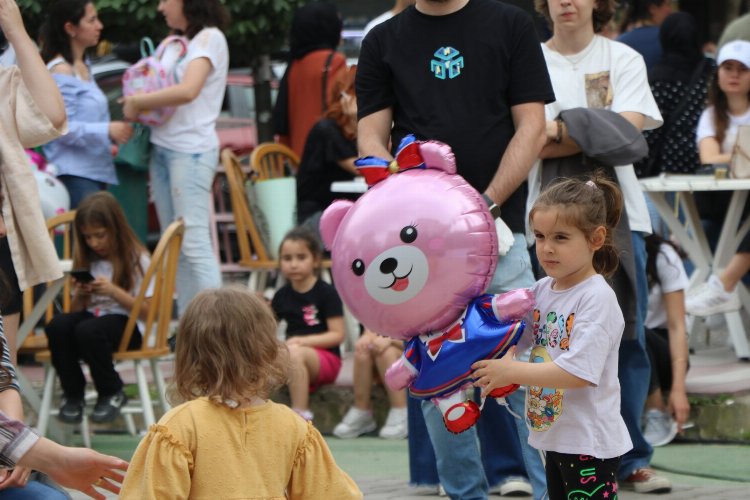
column 411, row 260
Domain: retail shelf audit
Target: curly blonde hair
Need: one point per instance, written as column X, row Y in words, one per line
column 227, row 349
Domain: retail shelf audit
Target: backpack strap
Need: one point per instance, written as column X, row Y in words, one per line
column 147, row 47
column 326, row 70
column 172, row 39
column 183, row 51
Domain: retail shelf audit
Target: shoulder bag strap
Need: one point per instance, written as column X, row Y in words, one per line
column 324, row 91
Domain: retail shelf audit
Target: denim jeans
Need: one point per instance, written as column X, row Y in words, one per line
column 635, row 371
column 514, row 270
column 33, row 491
column 181, row 187
column 80, row 187
column 465, row 469
column 532, row 457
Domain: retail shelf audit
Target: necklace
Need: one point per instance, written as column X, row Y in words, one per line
column 575, row 59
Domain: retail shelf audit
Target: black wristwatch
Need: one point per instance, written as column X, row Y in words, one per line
column 494, row 207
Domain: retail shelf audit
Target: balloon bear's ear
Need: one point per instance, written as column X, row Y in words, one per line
column 331, row 220
column 438, row 155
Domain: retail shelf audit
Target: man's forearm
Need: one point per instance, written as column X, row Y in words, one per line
column 521, row 153
column 374, row 134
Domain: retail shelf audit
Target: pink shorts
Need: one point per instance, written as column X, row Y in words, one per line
column 330, row 366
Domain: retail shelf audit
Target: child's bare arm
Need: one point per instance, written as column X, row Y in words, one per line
column 333, row 337
column 494, row 373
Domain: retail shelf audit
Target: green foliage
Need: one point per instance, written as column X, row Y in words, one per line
column 257, row 27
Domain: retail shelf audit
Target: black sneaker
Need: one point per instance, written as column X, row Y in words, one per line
column 71, row 411
column 108, row 407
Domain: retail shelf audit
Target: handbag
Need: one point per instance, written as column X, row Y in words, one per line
column 136, row 153
column 739, row 164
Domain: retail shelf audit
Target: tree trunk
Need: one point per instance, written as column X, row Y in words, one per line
column 263, row 104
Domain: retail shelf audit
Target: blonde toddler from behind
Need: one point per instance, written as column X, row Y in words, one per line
column 226, row 439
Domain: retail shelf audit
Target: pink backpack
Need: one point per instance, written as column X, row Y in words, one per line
column 149, row 75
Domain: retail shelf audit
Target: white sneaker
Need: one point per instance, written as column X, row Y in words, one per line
column 659, row 428
column 305, row 414
column 355, row 423
column 395, row 426
column 513, row 487
column 711, row 298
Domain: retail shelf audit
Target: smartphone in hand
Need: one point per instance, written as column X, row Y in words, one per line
column 82, row 275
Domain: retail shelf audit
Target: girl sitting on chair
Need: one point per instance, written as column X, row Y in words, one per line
column 107, row 247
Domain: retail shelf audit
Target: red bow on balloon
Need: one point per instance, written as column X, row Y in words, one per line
column 376, row 169
column 455, row 334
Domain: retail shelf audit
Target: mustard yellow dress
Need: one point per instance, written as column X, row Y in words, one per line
column 203, row 450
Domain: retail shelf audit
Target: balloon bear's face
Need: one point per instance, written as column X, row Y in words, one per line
column 411, row 252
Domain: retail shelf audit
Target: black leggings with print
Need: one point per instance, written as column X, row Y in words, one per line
column 579, row 477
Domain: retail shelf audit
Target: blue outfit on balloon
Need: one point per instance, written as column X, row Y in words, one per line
column 443, row 359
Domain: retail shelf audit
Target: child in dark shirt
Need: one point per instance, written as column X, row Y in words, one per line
column 314, row 315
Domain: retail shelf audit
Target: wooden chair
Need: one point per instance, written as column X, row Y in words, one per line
column 62, row 225
column 254, row 255
column 155, row 329
column 270, row 160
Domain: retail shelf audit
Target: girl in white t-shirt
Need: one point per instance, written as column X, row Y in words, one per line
column 107, row 247
column 729, row 108
column 588, row 70
column 186, row 148
column 573, row 400
column 667, row 407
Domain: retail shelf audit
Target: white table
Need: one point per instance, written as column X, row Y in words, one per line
column 358, row 185
column 692, row 238
column 26, row 327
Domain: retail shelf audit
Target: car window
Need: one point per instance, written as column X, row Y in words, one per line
column 111, row 85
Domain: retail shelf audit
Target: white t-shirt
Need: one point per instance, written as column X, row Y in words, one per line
column 610, row 75
column 192, row 129
column 706, row 128
column 673, row 278
column 579, row 329
column 99, row 305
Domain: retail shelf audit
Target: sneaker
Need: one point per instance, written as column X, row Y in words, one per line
column 645, row 480
column 711, row 298
column 306, row 415
column 659, row 428
column 355, row 423
column 513, row 487
column 71, row 411
column 395, row 425
column 108, row 407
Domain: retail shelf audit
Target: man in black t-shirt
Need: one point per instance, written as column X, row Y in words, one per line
column 469, row 73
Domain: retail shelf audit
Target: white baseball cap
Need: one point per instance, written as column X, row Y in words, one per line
column 736, row 50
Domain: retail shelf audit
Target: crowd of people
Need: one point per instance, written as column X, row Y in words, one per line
column 511, row 105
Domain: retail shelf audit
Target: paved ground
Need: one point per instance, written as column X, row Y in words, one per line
column 380, row 468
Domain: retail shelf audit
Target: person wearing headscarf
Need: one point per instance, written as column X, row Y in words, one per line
column 309, row 76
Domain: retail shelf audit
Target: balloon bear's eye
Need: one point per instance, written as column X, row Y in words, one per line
column 408, row 234
column 358, row 267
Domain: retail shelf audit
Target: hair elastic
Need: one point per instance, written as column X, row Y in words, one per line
column 592, row 184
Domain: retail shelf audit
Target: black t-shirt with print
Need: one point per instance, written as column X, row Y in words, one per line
column 454, row 78
column 307, row 313
column 324, row 148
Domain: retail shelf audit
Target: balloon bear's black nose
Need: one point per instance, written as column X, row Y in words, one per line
column 388, row 265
